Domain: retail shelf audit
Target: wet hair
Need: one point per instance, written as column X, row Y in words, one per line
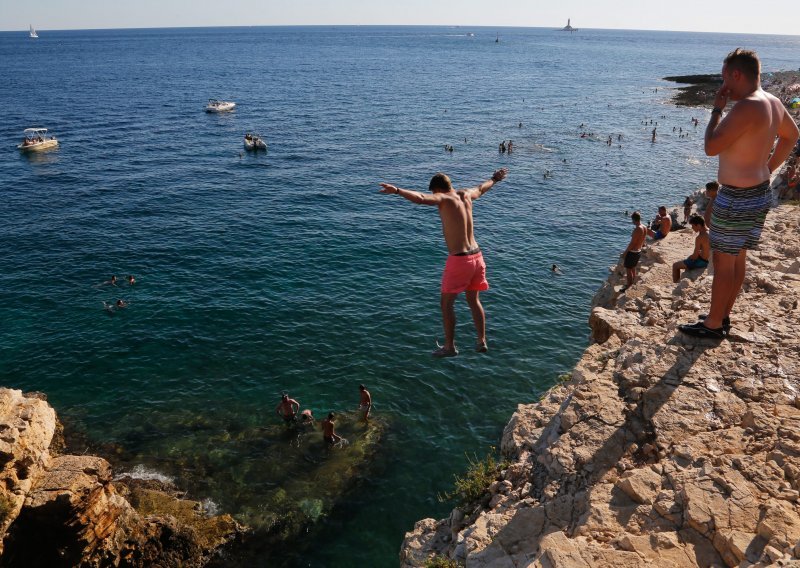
column 746, row 61
column 697, row 220
column 440, row 183
column 330, row 416
column 285, row 396
column 712, row 186
column 362, row 387
column 636, row 216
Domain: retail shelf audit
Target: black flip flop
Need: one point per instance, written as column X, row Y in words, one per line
column 699, row 330
column 726, row 322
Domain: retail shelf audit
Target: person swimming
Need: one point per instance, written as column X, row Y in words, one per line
column 555, row 269
column 112, row 282
column 131, row 280
column 121, row 304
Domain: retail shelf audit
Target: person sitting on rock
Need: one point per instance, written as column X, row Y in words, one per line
column 702, row 249
column 662, row 224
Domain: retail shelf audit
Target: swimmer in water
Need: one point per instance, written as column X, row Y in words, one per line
column 555, row 269
column 121, row 304
column 131, row 280
column 112, row 282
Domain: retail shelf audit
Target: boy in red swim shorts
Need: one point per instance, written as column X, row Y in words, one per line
column 465, row 270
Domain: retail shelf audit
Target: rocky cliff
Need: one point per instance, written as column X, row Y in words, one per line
column 63, row 510
column 661, row 450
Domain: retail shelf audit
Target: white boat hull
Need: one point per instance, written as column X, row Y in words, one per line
column 227, row 107
column 38, row 146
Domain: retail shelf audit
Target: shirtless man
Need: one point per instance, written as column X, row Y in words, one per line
column 465, row 269
column 702, row 249
column 712, row 188
column 664, row 222
column 743, row 140
column 287, row 408
column 328, row 433
column 365, row 404
column 633, row 251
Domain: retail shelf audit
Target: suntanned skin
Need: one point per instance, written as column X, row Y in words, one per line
column 365, row 404
column 664, row 224
column 637, row 240
column 327, row 429
column 743, row 140
column 455, row 211
column 702, row 249
column 287, row 408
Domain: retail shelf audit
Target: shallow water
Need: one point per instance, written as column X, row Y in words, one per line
column 287, row 271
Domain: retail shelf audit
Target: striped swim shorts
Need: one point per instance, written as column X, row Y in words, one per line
column 738, row 216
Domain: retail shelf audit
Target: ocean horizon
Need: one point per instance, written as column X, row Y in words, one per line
column 287, row 270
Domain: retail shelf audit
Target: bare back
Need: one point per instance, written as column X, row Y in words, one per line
column 455, row 210
column 637, row 238
column 744, row 162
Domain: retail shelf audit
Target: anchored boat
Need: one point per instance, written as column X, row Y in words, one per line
column 36, row 139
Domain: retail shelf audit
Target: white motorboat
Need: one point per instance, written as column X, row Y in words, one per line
column 219, row 106
column 33, row 33
column 36, row 139
column 254, row 142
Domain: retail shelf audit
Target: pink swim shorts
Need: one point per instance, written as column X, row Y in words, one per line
column 464, row 273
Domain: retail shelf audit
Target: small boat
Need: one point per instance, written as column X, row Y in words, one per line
column 36, row 139
column 33, row 33
column 568, row 27
column 219, row 106
column 254, row 142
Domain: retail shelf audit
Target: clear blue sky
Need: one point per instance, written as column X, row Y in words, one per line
column 764, row 16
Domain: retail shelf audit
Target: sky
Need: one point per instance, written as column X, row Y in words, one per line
column 733, row 16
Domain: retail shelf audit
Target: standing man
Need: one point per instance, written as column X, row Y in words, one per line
column 712, row 188
column 287, row 408
column 465, row 270
column 365, row 404
column 633, row 251
column 743, row 140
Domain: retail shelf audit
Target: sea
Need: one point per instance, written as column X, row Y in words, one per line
column 286, row 270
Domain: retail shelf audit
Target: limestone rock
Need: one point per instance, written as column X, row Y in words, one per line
column 660, row 450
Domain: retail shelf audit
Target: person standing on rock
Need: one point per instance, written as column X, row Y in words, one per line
column 743, row 140
column 287, row 409
column 633, row 252
column 365, row 402
column 465, row 270
column 328, row 433
column 712, row 188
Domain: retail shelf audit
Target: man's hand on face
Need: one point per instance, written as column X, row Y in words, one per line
column 721, row 99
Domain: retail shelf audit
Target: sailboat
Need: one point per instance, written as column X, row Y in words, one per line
column 34, row 35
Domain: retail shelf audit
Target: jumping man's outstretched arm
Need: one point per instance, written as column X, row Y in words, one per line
column 413, row 196
column 497, row 176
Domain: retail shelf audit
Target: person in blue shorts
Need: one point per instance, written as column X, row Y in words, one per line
column 702, row 249
column 663, row 224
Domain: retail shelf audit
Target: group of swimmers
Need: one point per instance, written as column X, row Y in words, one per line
column 289, row 410
column 120, row 303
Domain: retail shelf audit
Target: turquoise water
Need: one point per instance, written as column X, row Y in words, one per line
column 286, row 270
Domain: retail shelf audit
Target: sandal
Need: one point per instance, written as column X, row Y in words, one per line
column 699, row 330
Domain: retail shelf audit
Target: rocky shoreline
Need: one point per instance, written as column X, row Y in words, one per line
column 660, row 450
column 67, row 510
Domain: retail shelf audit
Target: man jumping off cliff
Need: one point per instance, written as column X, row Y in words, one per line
column 465, row 270
column 743, row 141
